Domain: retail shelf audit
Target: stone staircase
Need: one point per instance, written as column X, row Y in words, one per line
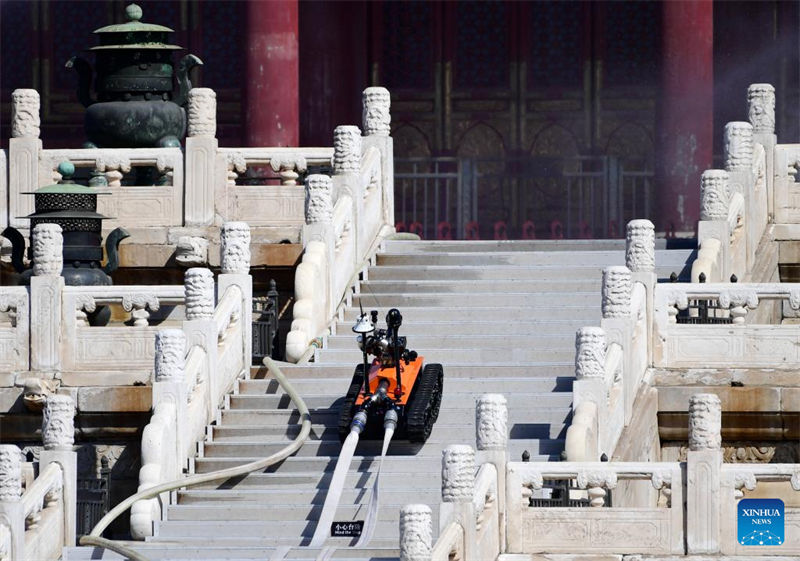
column 500, row 316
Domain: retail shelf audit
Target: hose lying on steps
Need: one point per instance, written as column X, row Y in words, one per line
column 305, row 429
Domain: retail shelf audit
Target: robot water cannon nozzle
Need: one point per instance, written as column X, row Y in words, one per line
column 390, row 419
column 359, row 422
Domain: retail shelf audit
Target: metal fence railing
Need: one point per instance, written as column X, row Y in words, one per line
column 265, row 324
column 93, row 500
column 519, row 197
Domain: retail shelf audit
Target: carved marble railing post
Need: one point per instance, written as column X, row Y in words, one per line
column 347, row 181
column 170, row 379
column 235, row 271
column 713, row 229
column 742, row 177
column 761, row 114
column 620, row 324
column 113, row 167
column 11, row 510
column 738, row 146
column 640, row 258
column 163, row 438
column 416, row 533
column 201, row 152
column 458, row 488
column 491, row 437
column 590, row 383
column 377, row 124
column 199, row 327
column 289, row 168
column 140, row 305
column 715, row 195
column 590, row 353
column 47, row 286
column 761, row 108
column 617, row 286
column 58, row 435
column 596, row 483
column 24, row 147
column 319, row 228
column 640, row 249
column 703, row 466
column 346, row 149
column 319, row 199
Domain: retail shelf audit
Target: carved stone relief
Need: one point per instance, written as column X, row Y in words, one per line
column 640, row 248
column 235, row 248
column 617, row 287
column 25, row 119
column 491, row 422
column 319, row 199
column 590, row 353
column 458, row 473
column 377, row 120
column 705, row 422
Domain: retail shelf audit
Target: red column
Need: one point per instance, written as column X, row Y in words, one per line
column 687, row 103
column 271, row 98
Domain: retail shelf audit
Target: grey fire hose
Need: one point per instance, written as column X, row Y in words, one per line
column 305, row 429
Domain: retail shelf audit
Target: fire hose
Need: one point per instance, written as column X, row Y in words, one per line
column 305, row 429
column 338, row 480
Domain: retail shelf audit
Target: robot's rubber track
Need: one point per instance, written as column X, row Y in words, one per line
column 348, row 405
column 423, row 409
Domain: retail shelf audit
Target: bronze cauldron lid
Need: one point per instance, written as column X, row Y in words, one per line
column 134, row 34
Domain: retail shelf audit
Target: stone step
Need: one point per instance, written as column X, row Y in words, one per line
column 315, row 378
column 450, row 398
column 469, row 287
column 532, row 326
column 155, row 551
column 466, row 273
column 316, row 465
column 331, row 448
column 292, row 512
column 589, row 314
column 330, row 416
column 268, row 433
column 245, row 433
column 452, row 246
column 350, row 495
column 450, row 341
column 299, row 481
column 498, row 356
column 567, row 259
column 478, row 300
column 277, row 532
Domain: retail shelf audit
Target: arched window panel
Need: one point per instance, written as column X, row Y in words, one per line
column 556, row 43
column 632, row 43
column 407, row 45
column 482, row 45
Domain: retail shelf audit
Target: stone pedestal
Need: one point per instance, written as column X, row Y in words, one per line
column 45, row 332
column 458, row 486
column 68, row 460
column 201, row 153
column 23, row 156
column 703, row 475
